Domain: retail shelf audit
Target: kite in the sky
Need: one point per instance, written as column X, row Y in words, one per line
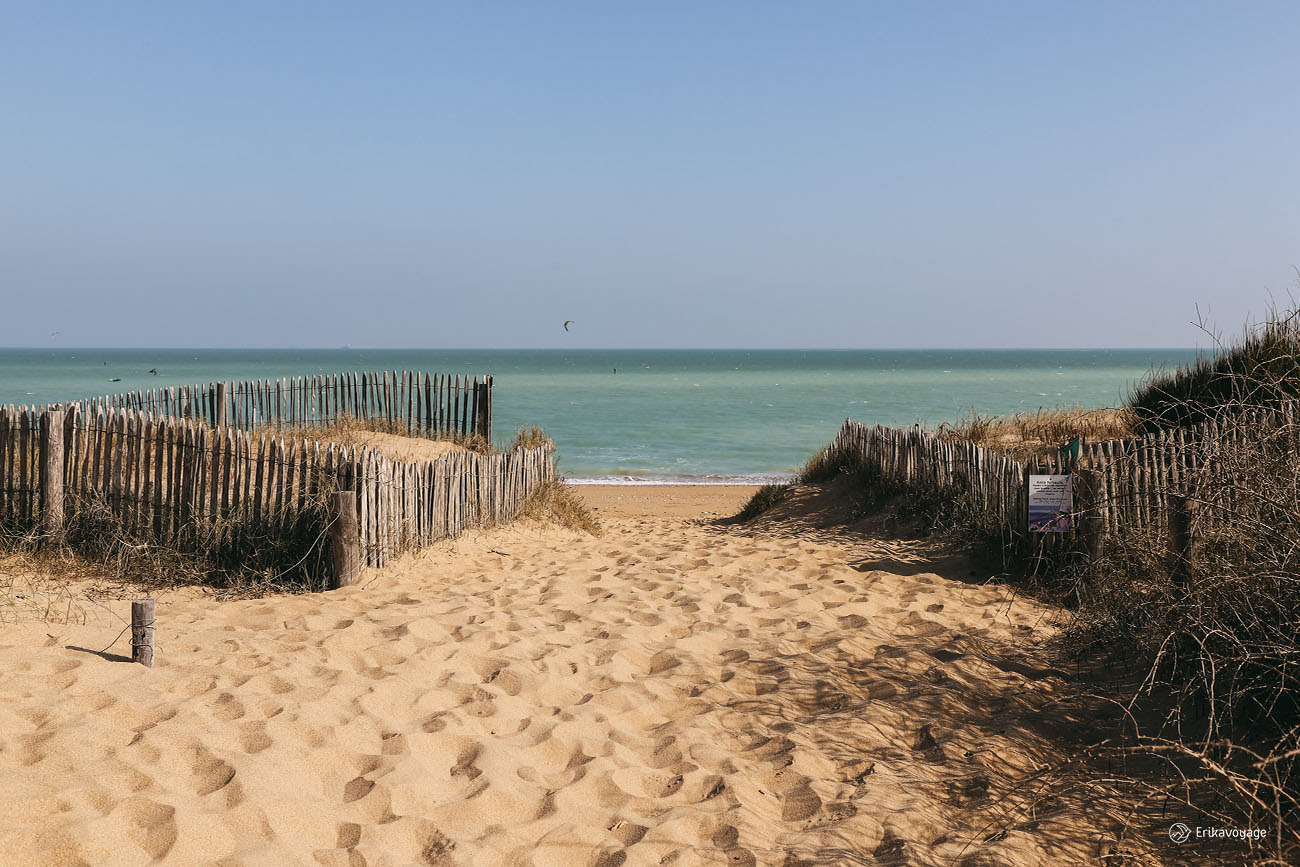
column 567, row 323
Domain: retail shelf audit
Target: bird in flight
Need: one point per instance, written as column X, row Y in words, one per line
column 567, row 323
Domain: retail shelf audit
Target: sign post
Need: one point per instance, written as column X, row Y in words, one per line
column 1050, row 504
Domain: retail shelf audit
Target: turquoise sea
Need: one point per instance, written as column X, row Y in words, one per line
column 652, row 416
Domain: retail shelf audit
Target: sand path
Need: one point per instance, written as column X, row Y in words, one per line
column 673, row 692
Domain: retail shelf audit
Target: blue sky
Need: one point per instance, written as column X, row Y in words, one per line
column 665, row 174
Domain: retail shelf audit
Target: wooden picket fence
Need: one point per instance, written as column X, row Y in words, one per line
column 424, row 404
column 1138, row 479
column 916, row 459
column 165, row 479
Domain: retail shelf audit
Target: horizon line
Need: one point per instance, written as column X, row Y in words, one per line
column 603, row 348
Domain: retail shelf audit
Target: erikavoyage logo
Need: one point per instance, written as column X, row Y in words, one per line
column 1180, row 833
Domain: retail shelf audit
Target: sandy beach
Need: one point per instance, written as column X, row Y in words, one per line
column 679, row 690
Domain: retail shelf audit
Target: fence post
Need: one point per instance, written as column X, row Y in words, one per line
column 142, row 631
column 219, row 413
column 345, row 541
column 482, row 402
column 51, row 473
column 1182, row 539
column 1091, row 526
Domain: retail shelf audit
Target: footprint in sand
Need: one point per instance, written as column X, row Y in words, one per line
column 838, row 812
column 944, row 655
column 505, row 680
column 771, row 749
column 936, row 675
column 149, row 824
column 481, row 705
column 926, row 744
column 356, row 788
column 725, row 837
column 712, row 787
column 640, row 783
column 663, row 661
column 226, row 707
column 880, row 690
column 969, row 791
column 209, row 773
column 99, row 701
column 253, row 737
column 920, row 627
column 348, row 835
column 610, row 859
column 269, row 684
column 628, row 833
column 665, row 753
column 892, row 850
column 757, row 686
column 464, row 766
column 155, row 716
column 799, row 803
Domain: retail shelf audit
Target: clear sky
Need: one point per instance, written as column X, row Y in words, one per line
column 666, row 174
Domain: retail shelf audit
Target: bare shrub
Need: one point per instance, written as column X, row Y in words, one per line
column 1219, row 706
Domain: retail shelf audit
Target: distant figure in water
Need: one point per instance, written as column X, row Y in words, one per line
column 154, row 371
column 116, row 379
column 616, row 370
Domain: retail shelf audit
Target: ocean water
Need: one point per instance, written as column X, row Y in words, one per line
column 654, row 416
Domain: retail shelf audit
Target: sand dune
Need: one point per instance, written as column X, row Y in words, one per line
column 673, row 692
column 392, row 446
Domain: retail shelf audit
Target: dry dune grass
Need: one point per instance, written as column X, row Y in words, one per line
column 46, row 588
column 530, row 438
column 555, row 502
column 1040, row 433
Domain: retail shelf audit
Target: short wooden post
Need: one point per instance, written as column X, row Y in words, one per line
column 142, row 622
column 219, row 413
column 1092, row 528
column 345, row 540
column 1182, row 539
column 51, row 473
